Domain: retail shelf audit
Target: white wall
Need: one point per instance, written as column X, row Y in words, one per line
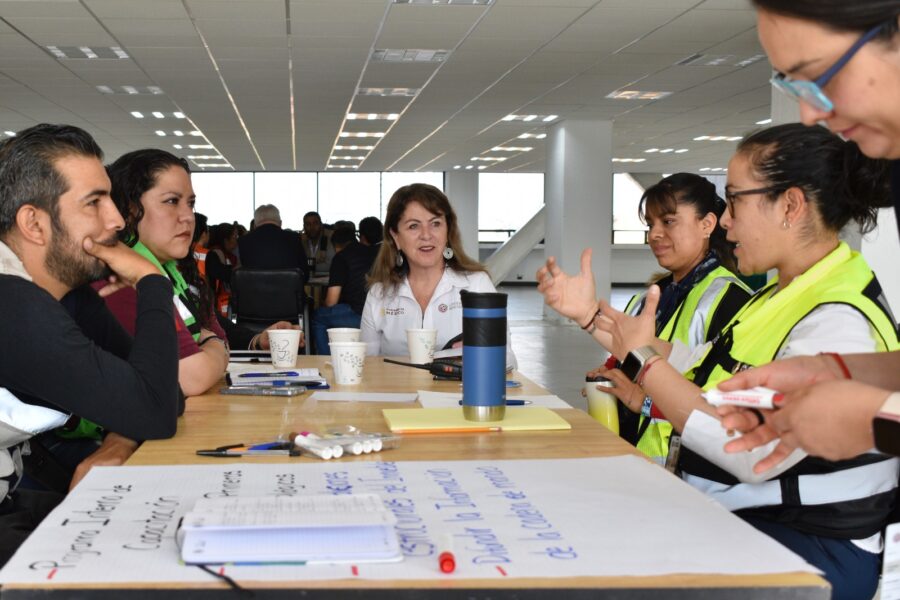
column 630, row 264
column 881, row 248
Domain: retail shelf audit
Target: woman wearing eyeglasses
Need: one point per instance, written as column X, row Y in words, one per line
column 786, row 205
column 841, row 60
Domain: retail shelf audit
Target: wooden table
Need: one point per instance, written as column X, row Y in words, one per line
column 213, row 420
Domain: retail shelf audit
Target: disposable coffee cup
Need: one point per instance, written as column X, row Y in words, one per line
column 283, row 345
column 421, row 345
column 343, row 334
column 348, row 359
column 601, row 404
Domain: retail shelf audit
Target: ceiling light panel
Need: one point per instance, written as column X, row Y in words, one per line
column 87, row 52
column 637, row 95
column 446, row 2
column 388, row 92
column 530, row 118
column 409, row 55
column 372, row 116
column 131, row 90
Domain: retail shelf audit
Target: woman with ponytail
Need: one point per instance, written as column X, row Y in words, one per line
column 790, row 190
column 699, row 295
column 841, row 61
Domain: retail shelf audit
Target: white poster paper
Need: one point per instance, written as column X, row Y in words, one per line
column 513, row 518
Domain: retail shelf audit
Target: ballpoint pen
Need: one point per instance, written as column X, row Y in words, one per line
column 272, row 374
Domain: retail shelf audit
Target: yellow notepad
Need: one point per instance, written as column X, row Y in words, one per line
column 451, row 420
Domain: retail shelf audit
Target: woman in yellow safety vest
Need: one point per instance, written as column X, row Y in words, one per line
column 791, row 189
column 700, row 293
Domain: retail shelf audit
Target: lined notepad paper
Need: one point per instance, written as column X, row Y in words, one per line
column 438, row 419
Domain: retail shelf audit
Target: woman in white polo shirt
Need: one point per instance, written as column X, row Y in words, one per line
column 418, row 274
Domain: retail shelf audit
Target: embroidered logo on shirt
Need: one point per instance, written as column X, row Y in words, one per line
column 394, row 312
column 442, row 308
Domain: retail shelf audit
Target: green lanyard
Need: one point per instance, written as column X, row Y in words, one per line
column 183, row 303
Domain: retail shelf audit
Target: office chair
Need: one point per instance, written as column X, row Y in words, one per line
column 260, row 297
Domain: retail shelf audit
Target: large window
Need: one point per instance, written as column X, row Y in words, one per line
column 295, row 194
column 506, row 201
column 627, row 225
column 228, row 197
column 391, row 182
column 224, row 197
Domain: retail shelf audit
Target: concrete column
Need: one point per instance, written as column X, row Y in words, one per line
column 461, row 188
column 578, row 195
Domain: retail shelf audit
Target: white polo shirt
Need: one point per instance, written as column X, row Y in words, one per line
column 389, row 313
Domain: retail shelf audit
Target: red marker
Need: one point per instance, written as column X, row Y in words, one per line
column 446, row 559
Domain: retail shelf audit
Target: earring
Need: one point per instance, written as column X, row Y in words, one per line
column 448, row 253
column 786, row 224
column 399, row 260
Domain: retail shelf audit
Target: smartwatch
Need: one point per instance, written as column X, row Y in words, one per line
column 886, row 426
column 635, row 360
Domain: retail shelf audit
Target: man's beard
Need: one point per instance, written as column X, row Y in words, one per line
column 68, row 262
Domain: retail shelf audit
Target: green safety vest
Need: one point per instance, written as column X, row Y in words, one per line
column 809, row 495
column 759, row 330
column 690, row 324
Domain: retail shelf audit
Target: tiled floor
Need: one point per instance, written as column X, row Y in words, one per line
column 554, row 355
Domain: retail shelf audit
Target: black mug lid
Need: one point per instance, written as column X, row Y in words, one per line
column 482, row 299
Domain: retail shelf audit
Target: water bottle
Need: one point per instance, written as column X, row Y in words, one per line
column 484, row 356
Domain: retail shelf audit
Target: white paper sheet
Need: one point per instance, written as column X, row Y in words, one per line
column 450, row 399
column 507, row 518
column 363, row 397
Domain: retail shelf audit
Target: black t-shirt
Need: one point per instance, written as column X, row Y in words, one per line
column 348, row 270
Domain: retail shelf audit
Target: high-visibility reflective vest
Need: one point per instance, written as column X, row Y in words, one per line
column 847, row 499
column 200, row 256
column 690, row 324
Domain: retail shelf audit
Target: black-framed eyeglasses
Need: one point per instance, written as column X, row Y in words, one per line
column 731, row 196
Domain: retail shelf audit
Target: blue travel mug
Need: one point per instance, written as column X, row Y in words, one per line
column 484, row 356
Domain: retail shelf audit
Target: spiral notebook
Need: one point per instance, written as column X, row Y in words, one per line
column 298, row 529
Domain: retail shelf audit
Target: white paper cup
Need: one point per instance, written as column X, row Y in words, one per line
column 343, row 334
column 348, row 359
column 283, row 344
column 421, row 345
column 602, row 405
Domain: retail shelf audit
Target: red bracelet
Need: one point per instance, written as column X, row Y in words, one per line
column 840, row 361
column 643, row 374
column 655, row 413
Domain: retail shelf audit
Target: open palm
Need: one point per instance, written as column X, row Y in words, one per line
column 572, row 296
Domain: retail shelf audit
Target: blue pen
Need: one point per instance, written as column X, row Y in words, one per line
column 270, row 446
column 272, row 374
column 513, row 383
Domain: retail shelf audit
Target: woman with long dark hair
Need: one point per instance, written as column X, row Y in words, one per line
column 152, row 189
column 786, row 206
